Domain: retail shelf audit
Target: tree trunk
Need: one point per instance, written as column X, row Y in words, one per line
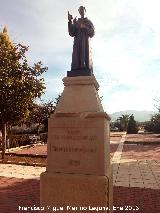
column 38, row 129
column 4, row 133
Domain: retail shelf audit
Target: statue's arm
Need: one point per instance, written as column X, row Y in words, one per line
column 71, row 29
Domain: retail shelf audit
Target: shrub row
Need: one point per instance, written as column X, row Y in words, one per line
column 25, row 139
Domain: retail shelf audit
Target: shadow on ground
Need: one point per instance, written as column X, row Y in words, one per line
column 19, row 192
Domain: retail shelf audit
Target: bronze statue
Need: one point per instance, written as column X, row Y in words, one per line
column 82, row 30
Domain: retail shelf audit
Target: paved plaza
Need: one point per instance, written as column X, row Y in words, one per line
column 136, row 179
column 134, row 171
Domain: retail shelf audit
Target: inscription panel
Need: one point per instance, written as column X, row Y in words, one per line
column 76, row 146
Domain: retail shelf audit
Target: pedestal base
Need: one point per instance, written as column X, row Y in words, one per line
column 76, row 193
column 78, row 176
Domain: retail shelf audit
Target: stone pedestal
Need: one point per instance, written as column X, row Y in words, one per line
column 80, row 95
column 78, row 173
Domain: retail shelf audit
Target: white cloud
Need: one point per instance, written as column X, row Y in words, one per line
column 140, row 97
column 126, row 46
column 54, row 86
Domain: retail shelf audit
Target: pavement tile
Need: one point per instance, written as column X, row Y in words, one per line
column 136, row 184
column 136, row 180
column 126, row 180
column 157, row 179
column 19, row 171
column 148, row 178
column 123, row 172
column 151, row 186
column 122, row 183
column 136, row 169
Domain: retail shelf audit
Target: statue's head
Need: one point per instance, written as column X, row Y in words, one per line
column 82, row 11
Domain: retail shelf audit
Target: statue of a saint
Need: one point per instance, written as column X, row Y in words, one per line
column 82, row 30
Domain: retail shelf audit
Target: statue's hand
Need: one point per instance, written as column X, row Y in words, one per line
column 69, row 17
column 75, row 19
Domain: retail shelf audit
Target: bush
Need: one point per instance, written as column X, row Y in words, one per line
column 149, row 126
column 154, row 124
column 20, row 140
column 43, row 137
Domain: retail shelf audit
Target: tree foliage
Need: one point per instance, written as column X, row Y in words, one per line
column 122, row 122
column 40, row 113
column 132, row 126
column 154, row 124
column 20, row 83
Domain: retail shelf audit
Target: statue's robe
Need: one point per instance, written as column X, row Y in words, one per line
column 81, row 56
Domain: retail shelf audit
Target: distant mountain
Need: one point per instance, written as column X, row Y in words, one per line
column 138, row 115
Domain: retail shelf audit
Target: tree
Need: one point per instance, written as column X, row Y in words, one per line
column 132, row 126
column 40, row 113
column 157, row 104
column 45, row 121
column 20, row 83
column 154, row 124
column 122, row 122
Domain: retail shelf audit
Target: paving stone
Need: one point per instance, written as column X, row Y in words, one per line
column 137, row 184
column 120, row 183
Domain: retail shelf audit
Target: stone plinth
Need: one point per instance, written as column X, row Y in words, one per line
column 80, row 95
column 78, row 172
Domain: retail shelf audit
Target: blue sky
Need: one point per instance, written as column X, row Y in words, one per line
column 126, row 46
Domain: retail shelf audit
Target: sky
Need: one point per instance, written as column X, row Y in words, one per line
column 125, row 48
